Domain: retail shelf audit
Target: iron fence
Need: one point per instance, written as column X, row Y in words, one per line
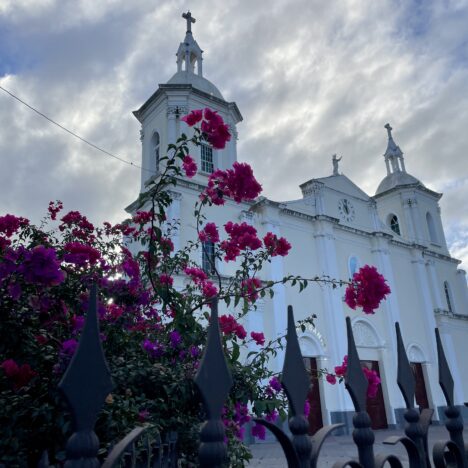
column 87, row 382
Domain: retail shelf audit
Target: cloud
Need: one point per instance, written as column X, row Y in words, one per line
column 310, row 78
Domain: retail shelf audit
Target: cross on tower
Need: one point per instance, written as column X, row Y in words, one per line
column 188, row 16
column 389, row 130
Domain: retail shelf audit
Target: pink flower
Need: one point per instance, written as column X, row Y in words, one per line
column 331, row 379
column 306, row 408
column 229, row 326
column 189, row 166
column 241, row 237
column 249, row 288
column 142, row 217
column 196, row 274
column 193, row 117
column 41, row 266
column 166, row 279
column 9, row 224
column 55, row 208
column 209, row 290
column 275, row 384
column 238, row 183
column 259, row 431
column 143, row 415
column 19, row 376
column 175, row 338
column 272, row 416
column 167, row 246
column 259, row 338
column 367, row 289
column 276, row 246
column 80, row 254
column 153, row 348
column 215, row 130
column 69, row 347
column 209, row 233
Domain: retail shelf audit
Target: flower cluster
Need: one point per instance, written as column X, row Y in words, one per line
column 372, row 377
column 367, row 289
column 19, row 376
column 189, row 166
column 142, row 217
column 259, row 338
column 80, row 254
column 209, row 233
column 41, row 266
column 215, row 131
column 9, row 224
column 241, row 237
column 200, row 278
column 238, row 183
column 229, row 326
column 79, row 225
column 153, row 348
column 276, row 246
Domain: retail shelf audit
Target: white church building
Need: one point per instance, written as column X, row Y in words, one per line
column 334, row 228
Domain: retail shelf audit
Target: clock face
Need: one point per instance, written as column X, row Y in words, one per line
column 346, row 210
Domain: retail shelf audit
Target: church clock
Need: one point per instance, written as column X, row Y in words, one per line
column 346, row 210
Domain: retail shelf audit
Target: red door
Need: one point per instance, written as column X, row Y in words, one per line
column 421, row 395
column 315, row 415
column 375, row 407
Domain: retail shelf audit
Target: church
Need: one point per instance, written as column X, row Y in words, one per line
column 334, row 229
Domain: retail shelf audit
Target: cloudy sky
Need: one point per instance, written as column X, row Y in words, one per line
column 311, row 78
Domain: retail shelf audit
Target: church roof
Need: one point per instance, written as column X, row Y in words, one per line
column 197, row 81
column 397, row 179
column 339, row 183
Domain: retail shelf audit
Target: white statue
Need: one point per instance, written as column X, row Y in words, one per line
column 335, row 162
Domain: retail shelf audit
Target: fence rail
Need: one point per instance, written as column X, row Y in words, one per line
column 87, row 382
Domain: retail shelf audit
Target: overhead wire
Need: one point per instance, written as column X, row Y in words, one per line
column 84, row 140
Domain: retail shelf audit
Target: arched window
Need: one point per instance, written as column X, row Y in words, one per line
column 448, row 296
column 431, row 227
column 394, row 224
column 353, row 265
column 155, row 152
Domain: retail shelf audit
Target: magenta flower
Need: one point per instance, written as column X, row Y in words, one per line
column 189, row 166
column 143, row 415
column 250, row 288
column 209, row 233
column 259, row 338
column 166, row 279
column 69, row 347
column 175, row 338
column 229, row 326
column 153, row 348
column 209, row 289
column 272, row 416
column 193, row 117
column 9, row 224
column 367, row 289
column 80, row 254
column 331, row 379
column 19, row 376
column 196, row 274
column 259, row 431
column 306, row 408
column 275, row 384
column 40, row 266
column 54, row 209
column 241, row 237
column 142, row 217
column 276, row 246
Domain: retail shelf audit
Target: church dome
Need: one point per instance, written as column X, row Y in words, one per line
column 396, row 179
column 396, row 171
column 197, row 81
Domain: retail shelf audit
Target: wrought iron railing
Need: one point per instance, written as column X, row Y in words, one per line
column 87, row 382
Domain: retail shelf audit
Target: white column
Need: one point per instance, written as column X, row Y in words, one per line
column 173, row 215
column 334, row 314
column 435, row 283
column 461, row 292
column 171, row 126
column 280, row 314
column 408, row 218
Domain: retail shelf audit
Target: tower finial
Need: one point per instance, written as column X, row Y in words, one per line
column 190, row 19
column 389, row 130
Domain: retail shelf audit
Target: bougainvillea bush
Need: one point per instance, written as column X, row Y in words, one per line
column 152, row 333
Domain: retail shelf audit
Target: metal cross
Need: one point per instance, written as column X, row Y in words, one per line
column 190, row 20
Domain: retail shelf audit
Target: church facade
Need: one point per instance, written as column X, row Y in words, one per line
column 334, row 228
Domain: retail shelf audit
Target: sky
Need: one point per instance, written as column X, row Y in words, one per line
column 311, row 79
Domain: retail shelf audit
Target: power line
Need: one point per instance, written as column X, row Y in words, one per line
column 125, row 161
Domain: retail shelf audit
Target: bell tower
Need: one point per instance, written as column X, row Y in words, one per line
column 160, row 116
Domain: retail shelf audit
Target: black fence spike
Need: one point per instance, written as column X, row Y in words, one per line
column 445, row 376
column 356, row 384
column 296, row 384
column 405, row 377
column 355, row 380
column 454, row 423
column 85, row 385
column 214, row 381
column 407, row 384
